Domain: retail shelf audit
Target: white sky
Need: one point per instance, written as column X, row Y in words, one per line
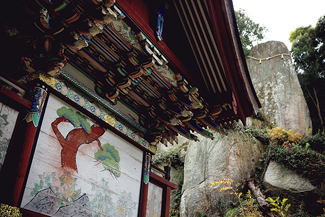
column 282, row 16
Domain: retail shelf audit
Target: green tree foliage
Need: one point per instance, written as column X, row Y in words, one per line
column 308, row 53
column 75, row 118
column 249, row 31
column 110, row 158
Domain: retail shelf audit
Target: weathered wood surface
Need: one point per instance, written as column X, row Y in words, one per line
column 8, row 118
column 104, row 194
column 154, row 202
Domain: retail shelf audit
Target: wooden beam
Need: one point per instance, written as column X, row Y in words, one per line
column 144, row 26
column 18, row 99
column 163, row 181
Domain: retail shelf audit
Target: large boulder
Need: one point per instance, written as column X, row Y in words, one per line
column 232, row 156
column 301, row 194
column 277, row 87
column 277, row 176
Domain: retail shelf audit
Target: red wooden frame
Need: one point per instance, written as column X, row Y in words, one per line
column 167, row 187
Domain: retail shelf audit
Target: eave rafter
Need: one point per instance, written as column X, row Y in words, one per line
column 126, row 66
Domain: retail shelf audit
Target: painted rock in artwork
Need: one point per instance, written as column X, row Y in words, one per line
column 79, row 207
column 45, row 202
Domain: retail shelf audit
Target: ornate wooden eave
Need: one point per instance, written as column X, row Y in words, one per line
column 211, row 29
column 119, row 53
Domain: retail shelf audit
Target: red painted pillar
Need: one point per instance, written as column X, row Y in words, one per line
column 144, row 200
column 167, row 201
column 146, row 176
column 38, row 100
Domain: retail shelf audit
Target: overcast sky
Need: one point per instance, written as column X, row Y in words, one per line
column 282, row 16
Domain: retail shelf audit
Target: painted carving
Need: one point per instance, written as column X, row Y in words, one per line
column 160, row 23
column 37, row 105
column 146, row 172
column 76, row 137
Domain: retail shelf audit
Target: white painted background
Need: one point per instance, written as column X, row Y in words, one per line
column 91, row 173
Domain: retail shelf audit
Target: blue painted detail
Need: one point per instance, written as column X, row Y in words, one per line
column 58, row 86
column 104, row 50
column 149, row 90
column 94, row 58
column 148, row 71
column 160, row 23
column 136, row 81
column 116, row 39
column 36, row 104
column 162, row 82
column 85, row 38
column 76, row 98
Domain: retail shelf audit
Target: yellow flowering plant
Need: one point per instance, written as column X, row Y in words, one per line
column 279, row 135
column 6, row 211
column 248, row 207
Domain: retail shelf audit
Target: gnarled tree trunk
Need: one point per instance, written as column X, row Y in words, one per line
column 73, row 141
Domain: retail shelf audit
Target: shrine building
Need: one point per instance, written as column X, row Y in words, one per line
column 89, row 88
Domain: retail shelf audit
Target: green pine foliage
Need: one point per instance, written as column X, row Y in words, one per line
column 110, row 159
column 75, row 118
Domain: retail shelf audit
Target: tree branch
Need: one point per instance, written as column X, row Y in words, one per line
column 260, row 198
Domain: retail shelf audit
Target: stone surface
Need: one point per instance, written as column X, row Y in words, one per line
column 232, row 156
column 277, row 87
column 283, row 178
column 284, row 183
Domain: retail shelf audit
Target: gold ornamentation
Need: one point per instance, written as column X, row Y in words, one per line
column 110, row 120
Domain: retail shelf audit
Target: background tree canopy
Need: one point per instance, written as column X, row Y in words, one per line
column 249, row 31
column 308, row 53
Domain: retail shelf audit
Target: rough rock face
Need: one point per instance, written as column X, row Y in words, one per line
column 283, row 178
column 277, row 87
column 280, row 181
column 232, row 156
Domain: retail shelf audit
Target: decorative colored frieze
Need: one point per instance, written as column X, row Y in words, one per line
column 95, row 109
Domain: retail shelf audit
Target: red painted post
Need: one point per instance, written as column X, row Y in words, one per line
column 167, row 201
column 32, row 119
column 144, row 200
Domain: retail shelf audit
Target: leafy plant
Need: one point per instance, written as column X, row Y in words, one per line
column 279, row 206
column 174, row 156
column 200, row 213
column 249, row 31
column 309, row 163
column 316, row 142
column 248, row 207
column 279, row 135
column 9, row 211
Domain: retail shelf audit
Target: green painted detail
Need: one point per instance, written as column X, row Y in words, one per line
column 146, row 178
column 207, row 133
column 36, row 118
column 110, row 158
column 75, row 118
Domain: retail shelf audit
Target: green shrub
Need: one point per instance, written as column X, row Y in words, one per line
column 309, row 163
column 316, row 142
column 174, row 156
